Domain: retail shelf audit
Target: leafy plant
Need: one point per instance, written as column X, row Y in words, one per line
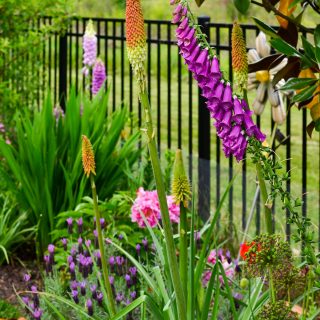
column 14, row 229
column 44, row 168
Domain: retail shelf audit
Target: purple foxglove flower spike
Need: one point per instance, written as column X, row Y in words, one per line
column 89, row 46
column 98, row 76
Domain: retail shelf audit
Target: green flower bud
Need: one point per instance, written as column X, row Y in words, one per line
column 244, row 282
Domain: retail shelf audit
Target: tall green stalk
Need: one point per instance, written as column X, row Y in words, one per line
column 183, row 256
column 110, row 302
column 168, row 234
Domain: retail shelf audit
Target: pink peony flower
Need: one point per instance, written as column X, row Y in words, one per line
column 147, row 203
column 174, row 210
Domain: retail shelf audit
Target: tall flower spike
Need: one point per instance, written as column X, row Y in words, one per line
column 88, row 162
column 181, row 190
column 136, row 41
column 239, row 58
column 89, row 45
column 98, row 76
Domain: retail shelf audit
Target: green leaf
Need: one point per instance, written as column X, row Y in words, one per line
column 242, row 5
column 293, row 3
column 317, row 36
column 304, row 94
column 265, row 28
column 317, row 51
column 298, row 83
column 309, row 49
column 282, row 46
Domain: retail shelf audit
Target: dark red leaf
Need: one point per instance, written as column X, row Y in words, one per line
column 264, row 63
column 290, row 34
column 310, row 128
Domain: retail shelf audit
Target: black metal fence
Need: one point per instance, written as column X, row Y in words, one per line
column 182, row 120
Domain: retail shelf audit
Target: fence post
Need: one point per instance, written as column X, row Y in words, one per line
column 203, row 143
column 63, row 45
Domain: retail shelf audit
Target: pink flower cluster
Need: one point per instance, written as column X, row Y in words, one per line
column 232, row 116
column 226, row 262
column 147, row 204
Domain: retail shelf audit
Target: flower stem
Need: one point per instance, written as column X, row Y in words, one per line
column 183, row 257
column 271, row 284
column 110, row 299
column 168, row 234
column 264, row 195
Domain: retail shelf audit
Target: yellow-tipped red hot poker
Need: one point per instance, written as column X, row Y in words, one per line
column 88, row 162
column 136, row 41
column 239, row 58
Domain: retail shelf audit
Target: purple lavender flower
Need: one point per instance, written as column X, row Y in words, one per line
column 233, row 118
column 111, row 280
column 80, row 248
column 128, row 280
column 58, row 112
column 120, row 236
column 93, row 290
column 133, row 295
column 138, row 249
column 51, row 249
column 48, row 264
column 228, row 256
column 72, row 268
column 89, row 45
column 69, row 225
column 133, row 271
column 80, row 225
column 97, row 254
column 70, row 259
column 37, row 314
column 119, row 297
column 75, row 296
column 26, row 277
column 83, row 287
column 100, row 298
column 25, row 300
column 98, row 77
column 35, row 296
column 88, row 243
column 102, row 223
column 89, row 306
column 64, row 242
column 119, row 260
column 74, row 285
column 237, row 267
column 145, row 244
column 73, row 252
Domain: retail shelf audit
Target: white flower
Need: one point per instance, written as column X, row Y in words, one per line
column 262, row 82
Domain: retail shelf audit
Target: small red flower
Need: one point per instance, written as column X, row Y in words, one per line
column 244, row 248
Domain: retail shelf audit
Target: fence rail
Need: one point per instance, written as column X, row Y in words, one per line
column 181, row 116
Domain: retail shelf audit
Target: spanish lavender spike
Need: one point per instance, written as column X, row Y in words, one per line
column 64, row 242
column 89, row 306
column 51, row 249
column 96, row 242
column 69, row 225
column 97, row 254
column 37, row 314
column 127, row 278
column 35, row 296
column 145, row 244
column 133, row 295
column 83, row 288
column 80, row 248
column 73, row 285
column 138, row 249
column 102, row 223
column 119, row 297
column 100, row 298
column 93, row 290
column 80, row 225
column 72, row 268
column 75, row 296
